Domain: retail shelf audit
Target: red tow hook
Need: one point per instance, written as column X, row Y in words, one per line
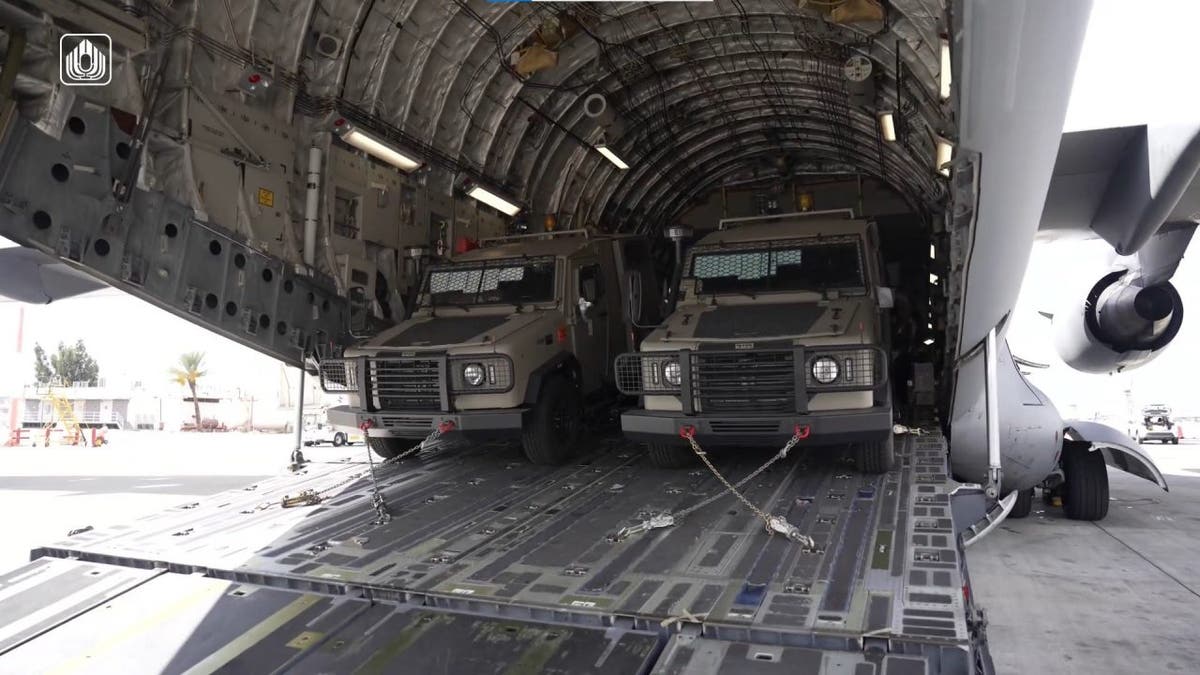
column 445, row 427
column 687, row 431
column 366, row 424
column 801, row 431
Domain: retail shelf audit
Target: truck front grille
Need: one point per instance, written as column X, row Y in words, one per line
column 406, row 384
column 744, row 382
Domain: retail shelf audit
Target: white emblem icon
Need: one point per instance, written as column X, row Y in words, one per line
column 85, row 59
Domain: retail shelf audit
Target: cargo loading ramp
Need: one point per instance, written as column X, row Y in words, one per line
column 482, row 537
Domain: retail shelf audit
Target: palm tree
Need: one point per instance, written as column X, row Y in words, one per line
column 187, row 374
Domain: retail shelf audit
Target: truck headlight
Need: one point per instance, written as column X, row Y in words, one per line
column 672, row 373
column 824, row 369
column 473, row 374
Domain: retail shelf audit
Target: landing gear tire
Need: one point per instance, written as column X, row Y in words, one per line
column 1024, row 505
column 555, row 423
column 875, row 456
column 670, row 455
column 387, row 448
column 1085, row 493
column 1174, row 441
column 339, row 439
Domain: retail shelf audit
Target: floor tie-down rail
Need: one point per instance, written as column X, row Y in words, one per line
column 506, row 554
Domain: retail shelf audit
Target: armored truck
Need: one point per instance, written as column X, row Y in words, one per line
column 513, row 339
column 779, row 330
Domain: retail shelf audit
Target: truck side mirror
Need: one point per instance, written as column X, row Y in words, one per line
column 633, row 282
column 587, row 289
column 887, row 298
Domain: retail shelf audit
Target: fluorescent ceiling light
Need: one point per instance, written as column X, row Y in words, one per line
column 933, row 278
column 887, row 126
column 928, row 341
column 932, row 252
column 493, row 200
column 929, row 326
column 612, row 157
column 375, row 147
column 945, row 152
column 945, row 74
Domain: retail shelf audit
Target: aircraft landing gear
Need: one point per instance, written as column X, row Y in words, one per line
column 1024, row 505
column 1085, row 492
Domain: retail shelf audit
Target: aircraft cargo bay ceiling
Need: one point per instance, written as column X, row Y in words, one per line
column 241, row 146
column 519, row 96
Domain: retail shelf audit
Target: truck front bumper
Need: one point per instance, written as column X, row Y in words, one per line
column 825, row 428
column 482, row 424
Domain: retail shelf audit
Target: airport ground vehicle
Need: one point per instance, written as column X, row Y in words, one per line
column 317, row 431
column 1156, row 425
column 511, row 339
column 779, row 324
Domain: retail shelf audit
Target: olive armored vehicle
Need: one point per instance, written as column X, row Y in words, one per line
column 779, row 330
column 513, row 339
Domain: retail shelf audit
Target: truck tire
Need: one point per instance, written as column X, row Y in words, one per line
column 1024, row 505
column 876, row 456
column 1085, row 493
column 388, row 448
column 554, row 424
column 670, row 455
column 339, row 439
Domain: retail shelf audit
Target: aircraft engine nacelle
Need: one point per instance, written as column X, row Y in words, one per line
column 1122, row 324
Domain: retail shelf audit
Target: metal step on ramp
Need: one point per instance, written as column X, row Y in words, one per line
column 57, row 196
column 504, row 553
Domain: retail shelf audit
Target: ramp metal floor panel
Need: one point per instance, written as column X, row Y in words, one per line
column 176, row 623
column 481, row 531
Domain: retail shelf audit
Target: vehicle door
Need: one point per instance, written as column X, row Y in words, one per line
column 590, row 312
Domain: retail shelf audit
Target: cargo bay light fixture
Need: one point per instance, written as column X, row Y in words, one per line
column 887, row 126
column 945, row 71
column 373, row 146
column 479, row 193
column 611, row 156
column 943, row 153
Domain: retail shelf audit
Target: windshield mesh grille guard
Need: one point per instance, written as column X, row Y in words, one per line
column 457, row 278
column 723, row 261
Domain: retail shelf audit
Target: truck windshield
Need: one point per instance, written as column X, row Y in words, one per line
column 509, row 281
column 779, row 266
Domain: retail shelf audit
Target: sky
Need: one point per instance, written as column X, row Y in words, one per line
column 131, row 341
column 1134, row 60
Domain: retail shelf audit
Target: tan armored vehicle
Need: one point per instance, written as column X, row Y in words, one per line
column 512, row 339
column 779, row 327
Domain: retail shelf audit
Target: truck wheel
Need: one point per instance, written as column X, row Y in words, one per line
column 1024, row 505
column 339, row 439
column 388, row 448
column 555, row 423
column 670, row 455
column 1085, row 494
column 876, row 456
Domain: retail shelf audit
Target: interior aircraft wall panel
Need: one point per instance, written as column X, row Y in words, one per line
column 225, row 163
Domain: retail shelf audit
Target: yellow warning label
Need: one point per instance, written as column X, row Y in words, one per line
column 266, row 197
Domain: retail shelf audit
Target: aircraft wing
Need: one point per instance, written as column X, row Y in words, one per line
column 1124, row 184
column 28, row 275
